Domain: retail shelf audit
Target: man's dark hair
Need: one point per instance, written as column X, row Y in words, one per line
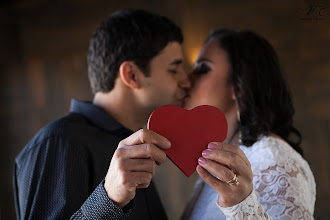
column 260, row 87
column 127, row 35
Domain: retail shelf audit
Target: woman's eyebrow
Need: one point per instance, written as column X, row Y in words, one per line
column 204, row 60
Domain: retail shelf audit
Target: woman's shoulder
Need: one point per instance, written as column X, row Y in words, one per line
column 274, row 155
column 270, row 151
column 279, row 169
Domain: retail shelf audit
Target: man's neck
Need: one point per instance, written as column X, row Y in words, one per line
column 123, row 108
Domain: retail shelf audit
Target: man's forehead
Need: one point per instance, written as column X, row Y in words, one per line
column 171, row 55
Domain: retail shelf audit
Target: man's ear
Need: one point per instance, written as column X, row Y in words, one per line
column 129, row 74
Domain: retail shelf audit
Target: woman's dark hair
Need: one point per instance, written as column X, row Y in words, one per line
column 263, row 97
column 127, row 35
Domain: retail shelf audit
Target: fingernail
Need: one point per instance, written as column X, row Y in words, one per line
column 212, row 145
column 167, row 143
column 202, row 160
column 206, row 152
column 200, row 169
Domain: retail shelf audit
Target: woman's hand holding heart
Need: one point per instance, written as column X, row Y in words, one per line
column 232, row 175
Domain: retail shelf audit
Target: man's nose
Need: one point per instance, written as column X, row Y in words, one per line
column 185, row 81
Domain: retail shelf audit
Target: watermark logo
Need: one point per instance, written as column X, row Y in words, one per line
column 314, row 10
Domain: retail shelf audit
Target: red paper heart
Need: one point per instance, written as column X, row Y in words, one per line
column 189, row 131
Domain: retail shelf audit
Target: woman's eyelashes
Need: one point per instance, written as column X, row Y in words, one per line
column 202, row 69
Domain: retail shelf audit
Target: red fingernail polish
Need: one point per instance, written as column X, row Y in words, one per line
column 202, row 160
column 206, row 152
column 212, row 145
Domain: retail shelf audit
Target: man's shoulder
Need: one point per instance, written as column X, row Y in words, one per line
column 56, row 130
column 63, row 127
column 76, row 131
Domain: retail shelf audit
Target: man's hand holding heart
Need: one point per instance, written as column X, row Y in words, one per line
column 133, row 165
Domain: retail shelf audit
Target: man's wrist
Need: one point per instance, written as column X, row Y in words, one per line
column 121, row 205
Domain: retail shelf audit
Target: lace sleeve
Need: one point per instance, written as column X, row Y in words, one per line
column 284, row 192
column 247, row 209
column 284, row 186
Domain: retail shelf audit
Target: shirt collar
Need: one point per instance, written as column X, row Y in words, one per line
column 96, row 115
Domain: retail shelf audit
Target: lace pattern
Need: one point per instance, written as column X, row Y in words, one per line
column 284, row 186
column 247, row 209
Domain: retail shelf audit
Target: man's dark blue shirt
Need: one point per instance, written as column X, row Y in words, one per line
column 60, row 172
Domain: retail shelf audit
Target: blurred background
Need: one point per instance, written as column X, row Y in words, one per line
column 43, row 47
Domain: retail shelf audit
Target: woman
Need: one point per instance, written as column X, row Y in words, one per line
column 239, row 73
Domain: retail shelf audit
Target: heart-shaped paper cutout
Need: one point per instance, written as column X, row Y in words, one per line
column 189, row 131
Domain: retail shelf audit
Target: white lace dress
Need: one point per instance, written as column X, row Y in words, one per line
column 284, row 187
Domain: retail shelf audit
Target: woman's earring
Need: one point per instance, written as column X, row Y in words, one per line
column 239, row 131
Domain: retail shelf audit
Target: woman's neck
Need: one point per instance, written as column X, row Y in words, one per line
column 235, row 138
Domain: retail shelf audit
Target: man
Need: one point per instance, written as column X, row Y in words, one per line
column 134, row 65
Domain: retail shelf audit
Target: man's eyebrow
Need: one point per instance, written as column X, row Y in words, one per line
column 176, row 62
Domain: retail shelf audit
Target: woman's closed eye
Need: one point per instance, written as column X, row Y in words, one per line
column 202, row 69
